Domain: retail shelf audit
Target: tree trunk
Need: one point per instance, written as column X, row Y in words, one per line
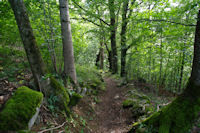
column 97, row 60
column 101, row 56
column 113, row 36
column 32, row 51
column 179, row 116
column 68, row 53
column 123, row 38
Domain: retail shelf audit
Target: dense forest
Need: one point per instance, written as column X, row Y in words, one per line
column 113, row 66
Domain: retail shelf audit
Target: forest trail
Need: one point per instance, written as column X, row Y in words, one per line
column 110, row 115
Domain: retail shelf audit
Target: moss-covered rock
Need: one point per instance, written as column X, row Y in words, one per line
column 19, row 109
column 74, row 99
column 61, row 93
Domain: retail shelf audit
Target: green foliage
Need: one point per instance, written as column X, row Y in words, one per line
column 19, row 109
column 11, row 62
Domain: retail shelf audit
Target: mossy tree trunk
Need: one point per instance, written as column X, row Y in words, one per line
column 179, row 116
column 68, row 53
column 32, row 51
column 114, row 58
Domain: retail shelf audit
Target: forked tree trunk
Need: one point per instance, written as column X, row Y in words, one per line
column 179, row 116
column 68, row 53
column 32, row 51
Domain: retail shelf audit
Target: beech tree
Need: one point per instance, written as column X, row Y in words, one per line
column 68, row 53
column 178, row 116
column 32, row 51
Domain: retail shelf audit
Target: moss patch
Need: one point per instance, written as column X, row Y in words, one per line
column 75, row 98
column 128, row 103
column 19, row 109
column 61, row 93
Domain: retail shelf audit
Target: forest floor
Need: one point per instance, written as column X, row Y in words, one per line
column 108, row 113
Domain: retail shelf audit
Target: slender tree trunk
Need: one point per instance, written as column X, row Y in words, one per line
column 101, row 56
column 113, row 36
column 97, row 60
column 32, row 51
column 179, row 116
column 109, row 57
column 68, row 53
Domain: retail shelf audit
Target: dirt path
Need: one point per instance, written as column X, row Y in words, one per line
column 110, row 116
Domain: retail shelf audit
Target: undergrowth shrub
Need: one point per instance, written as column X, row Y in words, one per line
column 11, row 62
column 90, row 78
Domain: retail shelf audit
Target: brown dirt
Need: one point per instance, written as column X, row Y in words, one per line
column 110, row 115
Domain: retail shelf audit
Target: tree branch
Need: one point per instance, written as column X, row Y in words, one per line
column 95, row 15
column 86, row 19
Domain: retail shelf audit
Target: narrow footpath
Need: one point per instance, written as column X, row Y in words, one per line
column 110, row 116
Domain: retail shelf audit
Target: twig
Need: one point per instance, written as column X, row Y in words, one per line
column 53, row 128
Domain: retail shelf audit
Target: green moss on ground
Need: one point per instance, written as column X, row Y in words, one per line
column 19, row 109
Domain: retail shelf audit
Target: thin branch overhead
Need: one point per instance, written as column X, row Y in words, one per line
column 86, row 19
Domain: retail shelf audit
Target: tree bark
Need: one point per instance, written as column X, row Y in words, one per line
column 101, row 56
column 113, row 36
column 123, row 38
column 179, row 116
column 68, row 53
column 32, row 51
